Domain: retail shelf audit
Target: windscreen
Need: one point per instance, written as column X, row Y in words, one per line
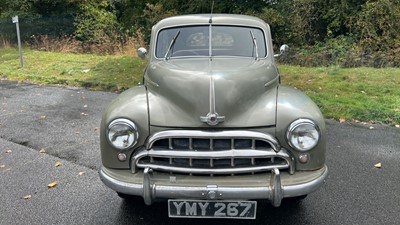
column 193, row 41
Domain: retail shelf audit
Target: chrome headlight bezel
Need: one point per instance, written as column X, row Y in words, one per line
column 303, row 128
column 127, row 128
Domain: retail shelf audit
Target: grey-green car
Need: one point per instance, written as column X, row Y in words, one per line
column 212, row 129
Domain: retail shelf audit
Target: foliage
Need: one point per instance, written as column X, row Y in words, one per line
column 155, row 13
column 37, row 17
column 321, row 32
column 305, row 21
column 377, row 25
column 97, row 22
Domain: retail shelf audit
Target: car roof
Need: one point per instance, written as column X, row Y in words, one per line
column 217, row 19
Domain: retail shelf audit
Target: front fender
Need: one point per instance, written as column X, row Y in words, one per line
column 131, row 105
column 291, row 105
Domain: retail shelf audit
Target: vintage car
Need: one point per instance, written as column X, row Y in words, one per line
column 212, row 130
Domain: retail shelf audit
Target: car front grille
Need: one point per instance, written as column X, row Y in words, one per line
column 212, row 153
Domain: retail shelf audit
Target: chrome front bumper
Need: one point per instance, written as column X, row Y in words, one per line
column 152, row 186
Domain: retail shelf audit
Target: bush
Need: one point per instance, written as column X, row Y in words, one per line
column 97, row 23
column 342, row 51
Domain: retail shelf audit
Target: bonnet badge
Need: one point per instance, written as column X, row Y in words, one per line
column 212, row 118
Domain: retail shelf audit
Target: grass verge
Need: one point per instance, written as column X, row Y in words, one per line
column 112, row 73
column 363, row 94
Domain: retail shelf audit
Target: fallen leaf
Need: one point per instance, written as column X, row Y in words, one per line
column 342, row 120
column 81, row 173
column 378, row 165
column 8, row 151
column 52, row 184
column 58, row 164
column 27, row 197
column 42, row 150
column 97, row 129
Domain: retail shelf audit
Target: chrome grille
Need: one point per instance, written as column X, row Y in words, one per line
column 203, row 144
column 212, row 153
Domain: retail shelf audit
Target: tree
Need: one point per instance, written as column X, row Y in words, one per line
column 377, row 25
column 97, row 22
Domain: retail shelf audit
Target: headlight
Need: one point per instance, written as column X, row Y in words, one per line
column 303, row 134
column 122, row 134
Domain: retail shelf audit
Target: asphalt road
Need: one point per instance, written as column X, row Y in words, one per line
column 64, row 122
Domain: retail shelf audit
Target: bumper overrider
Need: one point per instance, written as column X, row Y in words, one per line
column 209, row 165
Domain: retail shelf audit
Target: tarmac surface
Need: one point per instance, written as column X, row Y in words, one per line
column 63, row 122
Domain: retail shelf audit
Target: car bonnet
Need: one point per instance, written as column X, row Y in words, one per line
column 241, row 92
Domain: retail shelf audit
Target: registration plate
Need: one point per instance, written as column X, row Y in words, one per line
column 212, row 209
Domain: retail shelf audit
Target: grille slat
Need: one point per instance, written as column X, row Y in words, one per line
column 169, row 143
column 212, row 153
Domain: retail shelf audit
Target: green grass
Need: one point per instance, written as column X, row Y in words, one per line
column 112, row 73
column 363, row 94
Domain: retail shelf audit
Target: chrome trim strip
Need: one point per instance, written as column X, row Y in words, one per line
column 236, row 153
column 214, row 135
column 214, row 171
column 212, row 118
column 211, row 155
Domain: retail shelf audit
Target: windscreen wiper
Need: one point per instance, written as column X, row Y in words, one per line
column 254, row 43
column 171, row 45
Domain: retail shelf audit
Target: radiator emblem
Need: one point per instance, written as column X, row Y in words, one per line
column 212, row 118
